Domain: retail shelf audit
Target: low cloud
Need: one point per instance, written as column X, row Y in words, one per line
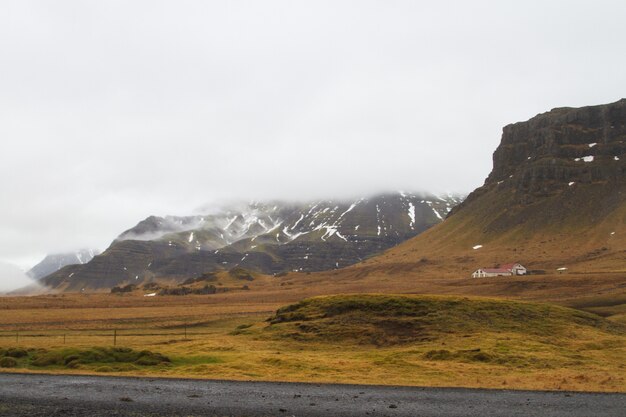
column 12, row 278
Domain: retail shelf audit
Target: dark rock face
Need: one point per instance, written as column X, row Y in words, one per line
column 264, row 237
column 53, row 263
column 554, row 151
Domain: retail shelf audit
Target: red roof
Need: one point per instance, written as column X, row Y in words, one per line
column 508, row 266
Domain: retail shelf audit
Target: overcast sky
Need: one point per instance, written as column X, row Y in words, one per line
column 114, row 110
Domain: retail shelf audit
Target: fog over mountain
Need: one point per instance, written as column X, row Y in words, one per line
column 114, row 111
column 12, row 277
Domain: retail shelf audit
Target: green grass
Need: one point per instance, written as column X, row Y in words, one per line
column 116, row 358
column 371, row 339
column 394, row 319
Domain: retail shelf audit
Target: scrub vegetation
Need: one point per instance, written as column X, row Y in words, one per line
column 367, row 339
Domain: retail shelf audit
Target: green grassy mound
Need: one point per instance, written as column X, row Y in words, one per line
column 397, row 319
column 109, row 359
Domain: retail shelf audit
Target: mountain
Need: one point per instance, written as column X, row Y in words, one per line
column 52, row 263
column 556, row 198
column 270, row 238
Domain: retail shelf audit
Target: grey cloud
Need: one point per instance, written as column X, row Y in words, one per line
column 112, row 111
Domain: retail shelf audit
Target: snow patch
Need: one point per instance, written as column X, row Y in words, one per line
column 591, row 145
column 152, row 294
column 477, row 247
column 190, row 237
column 349, row 210
column 437, row 213
column 296, row 223
column 571, row 183
column 412, row 215
column 230, row 222
column 616, row 158
column 292, row 236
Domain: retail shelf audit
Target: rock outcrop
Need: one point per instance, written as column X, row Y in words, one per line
column 556, row 150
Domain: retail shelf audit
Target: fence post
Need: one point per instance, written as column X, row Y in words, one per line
column 114, row 337
column 63, row 338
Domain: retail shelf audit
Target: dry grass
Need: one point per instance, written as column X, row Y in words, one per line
column 226, row 342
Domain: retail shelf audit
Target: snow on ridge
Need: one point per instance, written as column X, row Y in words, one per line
column 437, row 213
column 294, row 235
column 299, row 220
column 412, row 215
column 330, row 231
column 591, row 145
column 352, row 206
column 190, row 237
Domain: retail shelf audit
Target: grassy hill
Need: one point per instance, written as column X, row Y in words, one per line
column 555, row 200
column 399, row 319
column 371, row 339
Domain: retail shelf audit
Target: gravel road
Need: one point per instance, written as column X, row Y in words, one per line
column 72, row 396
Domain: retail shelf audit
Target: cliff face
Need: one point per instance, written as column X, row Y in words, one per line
column 554, row 151
column 556, row 198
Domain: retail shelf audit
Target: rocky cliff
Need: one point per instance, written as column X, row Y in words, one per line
column 557, row 150
column 556, row 197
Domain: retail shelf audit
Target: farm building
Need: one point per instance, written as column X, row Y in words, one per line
column 506, row 270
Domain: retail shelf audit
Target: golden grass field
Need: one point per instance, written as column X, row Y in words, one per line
column 228, row 336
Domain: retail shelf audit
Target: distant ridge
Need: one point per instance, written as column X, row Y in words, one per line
column 269, row 237
column 52, row 263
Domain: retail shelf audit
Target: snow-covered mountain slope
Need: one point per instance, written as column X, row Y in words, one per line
column 53, row 263
column 267, row 237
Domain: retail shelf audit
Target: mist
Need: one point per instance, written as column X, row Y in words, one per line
column 12, row 278
column 114, row 111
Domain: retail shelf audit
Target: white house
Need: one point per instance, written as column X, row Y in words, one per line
column 516, row 268
column 506, row 270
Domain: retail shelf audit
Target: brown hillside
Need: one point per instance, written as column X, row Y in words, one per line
column 546, row 204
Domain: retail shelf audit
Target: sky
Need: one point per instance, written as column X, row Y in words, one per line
column 111, row 111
